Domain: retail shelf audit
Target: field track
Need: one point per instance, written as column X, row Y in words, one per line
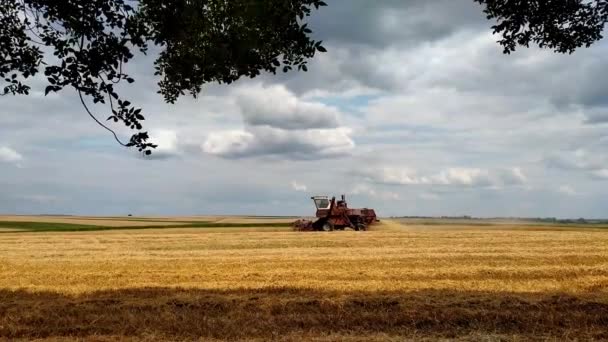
column 396, row 282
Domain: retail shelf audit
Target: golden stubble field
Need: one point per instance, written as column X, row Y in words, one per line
column 396, row 282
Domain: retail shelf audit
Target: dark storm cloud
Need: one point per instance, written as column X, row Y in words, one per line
column 374, row 44
column 355, row 32
column 379, row 24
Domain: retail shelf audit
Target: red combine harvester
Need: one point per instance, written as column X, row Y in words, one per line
column 336, row 215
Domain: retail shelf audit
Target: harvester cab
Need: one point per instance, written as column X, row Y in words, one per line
column 321, row 202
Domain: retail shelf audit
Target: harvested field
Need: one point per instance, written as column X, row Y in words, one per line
column 492, row 223
column 254, row 220
column 392, row 283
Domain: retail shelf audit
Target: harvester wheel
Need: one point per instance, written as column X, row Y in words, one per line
column 361, row 226
column 328, row 227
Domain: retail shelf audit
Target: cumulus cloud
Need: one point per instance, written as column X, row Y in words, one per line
column 40, row 198
column 276, row 106
column 371, row 192
column 566, row 189
column 454, row 176
column 594, row 163
column 601, row 173
column 463, row 176
column 597, row 116
column 298, row 186
column 9, row 155
column 264, row 141
column 278, row 123
column 578, row 159
column 167, row 142
column 513, row 176
column 429, row 196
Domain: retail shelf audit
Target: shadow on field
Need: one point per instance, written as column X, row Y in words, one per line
column 285, row 313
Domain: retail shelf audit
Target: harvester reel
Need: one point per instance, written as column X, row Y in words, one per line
column 302, row 225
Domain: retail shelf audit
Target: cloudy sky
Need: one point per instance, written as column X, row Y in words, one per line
column 414, row 110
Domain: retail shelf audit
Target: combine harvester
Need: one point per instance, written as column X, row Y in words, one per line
column 336, row 215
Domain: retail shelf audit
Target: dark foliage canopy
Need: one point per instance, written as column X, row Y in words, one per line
column 560, row 25
column 202, row 41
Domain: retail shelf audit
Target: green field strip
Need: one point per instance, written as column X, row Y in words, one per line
column 70, row 227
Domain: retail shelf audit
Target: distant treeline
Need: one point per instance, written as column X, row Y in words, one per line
column 528, row 219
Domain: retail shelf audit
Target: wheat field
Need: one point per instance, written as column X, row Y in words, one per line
column 397, row 282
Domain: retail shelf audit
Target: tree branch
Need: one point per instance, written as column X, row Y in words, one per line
column 98, row 122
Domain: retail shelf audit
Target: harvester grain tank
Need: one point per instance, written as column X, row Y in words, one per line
column 336, row 215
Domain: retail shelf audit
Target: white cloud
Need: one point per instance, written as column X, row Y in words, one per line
column 601, row 173
column 514, row 176
column 9, row 155
column 593, row 163
column 291, row 144
column 298, row 186
column 369, row 191
column 229, row 143
column 403, row 176
column 455, row 176
column 167, row 141
column 567, row 189
column 40, row 198
column 278, row 123
column 462, row 176
column 429, row 196
column 276, row 106
column 597, row 116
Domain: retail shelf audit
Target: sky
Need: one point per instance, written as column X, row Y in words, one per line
column 414, row 110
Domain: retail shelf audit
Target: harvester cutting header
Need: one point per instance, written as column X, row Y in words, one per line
column 336, row 215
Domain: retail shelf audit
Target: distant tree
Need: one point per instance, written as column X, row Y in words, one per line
column 84, row 44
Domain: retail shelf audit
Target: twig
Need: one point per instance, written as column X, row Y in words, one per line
column 98, row 122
